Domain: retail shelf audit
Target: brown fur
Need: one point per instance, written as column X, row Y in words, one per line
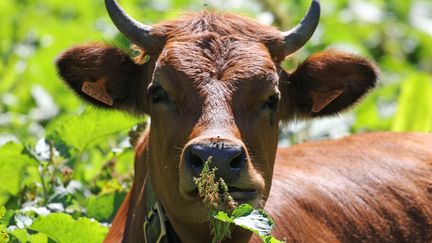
column 363, row 188
column 222, row 78
column 94, row 61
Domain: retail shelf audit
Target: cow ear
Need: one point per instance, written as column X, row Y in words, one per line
column 325, row 84
column 105, row 76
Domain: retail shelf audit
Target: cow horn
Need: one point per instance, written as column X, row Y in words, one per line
column 136, row 32
column 299, row 35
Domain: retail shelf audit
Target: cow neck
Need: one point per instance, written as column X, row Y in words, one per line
column 157, row 227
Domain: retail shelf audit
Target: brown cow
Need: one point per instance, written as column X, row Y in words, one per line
column 213, row 86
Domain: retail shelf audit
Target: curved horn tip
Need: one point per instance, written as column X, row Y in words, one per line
column 300, row 34
column 136, row 32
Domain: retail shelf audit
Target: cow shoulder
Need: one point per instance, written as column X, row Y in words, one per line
column 378, row 187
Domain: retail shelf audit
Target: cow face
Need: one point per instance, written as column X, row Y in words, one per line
column 214, row 97
column 213, row 87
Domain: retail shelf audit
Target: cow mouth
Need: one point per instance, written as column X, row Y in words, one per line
column 240, row 195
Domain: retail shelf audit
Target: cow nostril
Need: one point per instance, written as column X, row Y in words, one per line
column 229, row 160
column 237, row 162
column 195, row 161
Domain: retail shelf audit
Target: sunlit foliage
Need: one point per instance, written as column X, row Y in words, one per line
column 63, row 163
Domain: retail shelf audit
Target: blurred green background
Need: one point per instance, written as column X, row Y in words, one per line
column 62, row 162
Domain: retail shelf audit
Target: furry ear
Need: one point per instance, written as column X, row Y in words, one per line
column 105, row 76
column 325, row 84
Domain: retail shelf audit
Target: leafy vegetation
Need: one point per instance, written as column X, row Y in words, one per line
column 255, row 220
column 216, row 198
column 65, row 167
column 223, row 210
column 54, row 187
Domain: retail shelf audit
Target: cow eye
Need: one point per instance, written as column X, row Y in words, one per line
column 272, row 102
column 157, row 94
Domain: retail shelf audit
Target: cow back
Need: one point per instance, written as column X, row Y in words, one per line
column 363, row 188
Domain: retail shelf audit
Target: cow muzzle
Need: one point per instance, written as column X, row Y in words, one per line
column 231, row 161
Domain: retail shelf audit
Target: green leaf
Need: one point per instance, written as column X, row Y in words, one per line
column 64, row 229
column 104, row 207
column 123, row 164
column 255, row 220
column 243, row 209
column 414, row 111
column 2, row 212
column 221, row 231
column 82, row 131
column 269, row 239
column 222, row 216
column 20, row 235
column 12, row 168
column 38, row 238
column 4, row 236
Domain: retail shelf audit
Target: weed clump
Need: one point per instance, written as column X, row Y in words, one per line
column 216, row 197
column 224, row 211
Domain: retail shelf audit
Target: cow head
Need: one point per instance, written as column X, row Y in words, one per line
column 213, row 86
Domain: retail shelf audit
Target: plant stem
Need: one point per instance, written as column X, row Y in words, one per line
column 45, row 191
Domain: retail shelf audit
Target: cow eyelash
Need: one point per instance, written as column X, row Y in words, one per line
column 272, row 102
column 157, row 94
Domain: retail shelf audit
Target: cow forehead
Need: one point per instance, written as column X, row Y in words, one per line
column 208, row 57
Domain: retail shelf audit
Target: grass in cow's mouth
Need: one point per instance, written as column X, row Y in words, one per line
column 216, row 197
column 224, row 211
